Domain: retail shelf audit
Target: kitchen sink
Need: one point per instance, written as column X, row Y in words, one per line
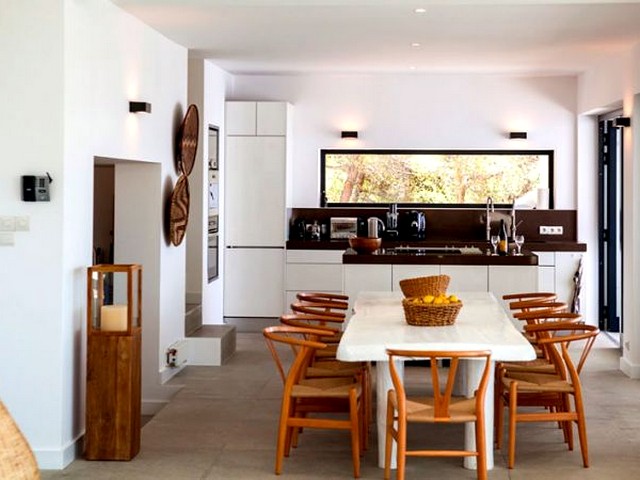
column 434, row 251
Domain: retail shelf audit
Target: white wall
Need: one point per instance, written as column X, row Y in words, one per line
column 207, row 86
column 34, row 385
column 69, row 69
column 421, row 111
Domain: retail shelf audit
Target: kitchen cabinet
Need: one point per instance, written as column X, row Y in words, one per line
column 512, row 279
column 360, row 278
column 253, row 282
column 257, row 184
column 556, row 272
column 466, row 278
column 402, row 272
column 312, row 271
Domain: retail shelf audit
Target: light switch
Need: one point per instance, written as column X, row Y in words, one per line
column 22, row 224
column 7, row 224
column 7, row 239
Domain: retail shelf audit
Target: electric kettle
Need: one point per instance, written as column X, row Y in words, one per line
column 373, row 225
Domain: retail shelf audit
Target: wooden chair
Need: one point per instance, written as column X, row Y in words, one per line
column 327, row 309
column 552, row 391
column 302, row 395
column 324, row 363
column 442, row 407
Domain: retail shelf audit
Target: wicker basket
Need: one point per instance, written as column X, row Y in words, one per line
column 421, row 286
column 430, row 315
column 16, row 458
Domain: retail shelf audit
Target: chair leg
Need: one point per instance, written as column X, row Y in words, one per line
column 582, row 431
column 354, row 416
column 282, row 434
column 568, row 425
column 402, row 448
column 388, row 442
column 513, row 405
column 499, row 420
column 481, row 448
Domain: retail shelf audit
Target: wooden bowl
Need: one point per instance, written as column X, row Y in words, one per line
column 365, row 244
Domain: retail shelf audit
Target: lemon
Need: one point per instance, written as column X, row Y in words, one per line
column 428, row 299
column 453, row 299
column 438, row 300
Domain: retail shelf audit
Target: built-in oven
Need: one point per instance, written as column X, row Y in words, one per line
column 212, row 248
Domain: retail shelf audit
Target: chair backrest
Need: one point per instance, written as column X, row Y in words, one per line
column 535, row 317
column 325, row 309
column 556, row 338
column 527, row 306
column 442, row 397
column 337, row 300
column 319, row 322
column 302, row 340
column 524, row 296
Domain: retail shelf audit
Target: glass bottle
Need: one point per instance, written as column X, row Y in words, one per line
column 502, row 243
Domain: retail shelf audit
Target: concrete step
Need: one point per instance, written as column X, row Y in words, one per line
column 211, row 345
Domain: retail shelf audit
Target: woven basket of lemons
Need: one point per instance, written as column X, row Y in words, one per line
column 431, row 310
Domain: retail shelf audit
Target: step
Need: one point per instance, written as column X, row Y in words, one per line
column 211, row 345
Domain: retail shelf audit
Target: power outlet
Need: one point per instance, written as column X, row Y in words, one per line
column 551, row 230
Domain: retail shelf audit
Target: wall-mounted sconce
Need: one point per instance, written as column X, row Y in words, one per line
column 622, row 122
column 518, row 135
column 349, row 134
column 135, row 107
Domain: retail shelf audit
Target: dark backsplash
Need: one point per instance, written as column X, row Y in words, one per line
column 460, row 224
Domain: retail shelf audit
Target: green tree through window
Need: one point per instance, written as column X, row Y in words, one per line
column 445, row 178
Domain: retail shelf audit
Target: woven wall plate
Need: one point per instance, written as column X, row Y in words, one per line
column 188, row 140
column 179, row 211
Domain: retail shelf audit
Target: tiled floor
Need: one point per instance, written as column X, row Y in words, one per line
column 222, row 425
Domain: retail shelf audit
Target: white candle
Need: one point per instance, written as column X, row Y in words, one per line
column 113, row 318
column 543, row 198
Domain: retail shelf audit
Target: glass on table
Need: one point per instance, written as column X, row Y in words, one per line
column 519, row 239
column 494, row 243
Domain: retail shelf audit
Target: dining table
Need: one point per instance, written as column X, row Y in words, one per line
column 378, row 323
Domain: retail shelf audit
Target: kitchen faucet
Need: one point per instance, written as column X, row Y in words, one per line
column 513, row 219
column 490, row 209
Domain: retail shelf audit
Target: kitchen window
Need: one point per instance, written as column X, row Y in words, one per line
column 435, row 178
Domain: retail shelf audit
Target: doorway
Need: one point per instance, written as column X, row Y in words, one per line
column 610, row 210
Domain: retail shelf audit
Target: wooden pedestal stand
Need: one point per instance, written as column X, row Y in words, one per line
column 112, row 430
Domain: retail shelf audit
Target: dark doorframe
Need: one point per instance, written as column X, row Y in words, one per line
column 609, row 224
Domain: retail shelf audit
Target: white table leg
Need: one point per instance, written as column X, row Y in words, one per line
column 473, row 372
column 383, row 384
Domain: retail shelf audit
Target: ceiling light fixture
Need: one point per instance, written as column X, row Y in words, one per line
column 416, row 44
column 420, row 10
column 349, row 134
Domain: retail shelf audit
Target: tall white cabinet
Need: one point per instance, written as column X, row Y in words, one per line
column 256, row 188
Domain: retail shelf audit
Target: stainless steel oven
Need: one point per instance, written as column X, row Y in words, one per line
column 212, row 248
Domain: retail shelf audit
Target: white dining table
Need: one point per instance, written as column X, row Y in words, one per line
column 378, row 323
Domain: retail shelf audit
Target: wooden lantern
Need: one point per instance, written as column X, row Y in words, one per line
column 114, row 328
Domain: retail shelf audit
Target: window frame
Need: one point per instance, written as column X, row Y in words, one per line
column 388, row 151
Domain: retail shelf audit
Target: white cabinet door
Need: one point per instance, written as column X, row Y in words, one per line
column 512, row 279
column 240, row 118
column 546, row 271
column 253, row 282
column 272, row 118
column 360, row 278
column 314, row 277
column 255, row 191
column 466, row 278
column 402, row 272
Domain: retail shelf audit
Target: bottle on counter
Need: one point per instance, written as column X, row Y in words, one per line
column 503, row 244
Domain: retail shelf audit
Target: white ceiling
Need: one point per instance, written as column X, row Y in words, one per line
column 333, row 36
